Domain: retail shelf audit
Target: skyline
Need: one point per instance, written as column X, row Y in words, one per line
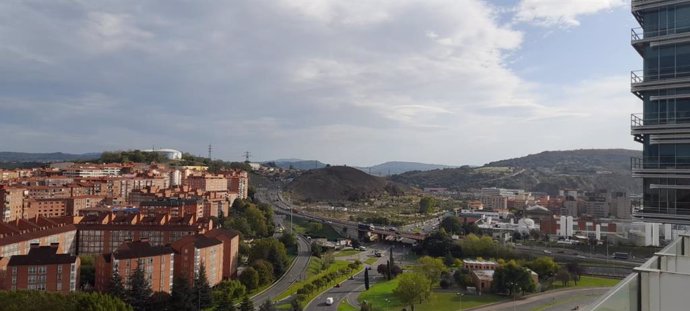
column 446, row 82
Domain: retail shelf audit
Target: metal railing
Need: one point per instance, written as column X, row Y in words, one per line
column 638, row 33
column 658, row 74
column 660, row 162
column 645, row 119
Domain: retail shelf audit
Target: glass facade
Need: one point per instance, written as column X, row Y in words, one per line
column 663, row 41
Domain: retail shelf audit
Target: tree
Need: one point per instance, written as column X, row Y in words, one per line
column 139, row 289
column 289, row 240
column 563, row 276
column 267, row 306
column 117, row 287
column 226, row 293
column 246, row 305
column 575, row 270
column 272, row 250
column 181, row 297
column 160, row 301
column 430, row 267
column 545, row 267
column 427, row 205
column 412, row 288
column 265, row 270
column 511, row 278
column 452, row 224
column 295, row 305
column 366, row 279
column 366, row 307
column 250, row 278
column 201, row 289
column 316, row 249
column 314, row 227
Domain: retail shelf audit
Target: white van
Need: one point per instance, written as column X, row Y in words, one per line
column 329, row 301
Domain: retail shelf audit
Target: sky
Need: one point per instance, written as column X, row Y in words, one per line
column 355, row 82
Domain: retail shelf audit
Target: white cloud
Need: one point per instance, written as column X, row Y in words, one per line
column 563, row 13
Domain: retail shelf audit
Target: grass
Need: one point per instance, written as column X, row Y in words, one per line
column 588, row 281
column 311, row 277
column 346, row 252
column 371, row 261
column 301, row 226
column 380, row 295
column 345, row 306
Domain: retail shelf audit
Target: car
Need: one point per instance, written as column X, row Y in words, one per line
column 362, row 248
column 580, row 256
column 329, row 301
column 546, row 251
column 377, row 254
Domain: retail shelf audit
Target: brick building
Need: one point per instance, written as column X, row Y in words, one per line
column 99, row 234
column 17, row 236
column 207, row 182
column 176, row 207
column 157, row 262
column 192, row 251
column 44, row 268
column 12, row 199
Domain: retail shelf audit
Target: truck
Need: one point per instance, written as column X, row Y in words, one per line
column 329, row 301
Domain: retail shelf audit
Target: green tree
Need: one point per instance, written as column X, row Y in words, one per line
column 181, row 297
column 316, row 249
column 452, row 224
column 272, row 250
column 431, row 268
column 412, row 288
column 226, row 293
column 545, row 267
column 117, row 287
column 265, row 270
column 246, row 305
column 267, row 306
column 250, row 278
column 314, row 227
column 575, row 270
column 201, row 289
column 512, row 278
column 427, row 205
column 139, row 290
column 295, row 305
column 256, row 221
column 563, row 276
column 289, row 240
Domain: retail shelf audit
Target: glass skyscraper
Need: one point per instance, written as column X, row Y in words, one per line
column 663, row 127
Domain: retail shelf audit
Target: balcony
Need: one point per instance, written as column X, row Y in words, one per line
column 639, row 5
column 658, row 79
column 662, row 128
column 640, row 38
column 661, row 167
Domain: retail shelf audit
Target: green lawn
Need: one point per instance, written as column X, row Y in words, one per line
column 311, row 277
column 371, row 261
column 346, row 252
column 589, row 281
column 301, row 226
column 345, row 306
column 382, row 298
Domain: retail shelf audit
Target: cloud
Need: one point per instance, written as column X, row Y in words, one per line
column 357, row 82
column 562, row 13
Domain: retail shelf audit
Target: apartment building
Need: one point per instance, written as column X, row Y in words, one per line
column 176, row 207
column 192, row 251
column 103, row 233
column 43, row 268
column 207, row 182
column 17, row 236
column 157, row 262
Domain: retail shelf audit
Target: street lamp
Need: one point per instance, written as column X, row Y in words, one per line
column 460, row 297
column 387, row 302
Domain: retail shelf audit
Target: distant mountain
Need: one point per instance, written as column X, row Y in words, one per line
column 46, row 157
column 337, row 183
column 298, row 164
column 548, row 171
column 399, row 167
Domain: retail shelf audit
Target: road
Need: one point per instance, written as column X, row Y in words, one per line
column 552, row 301
column 349, row 289
column 296, row 272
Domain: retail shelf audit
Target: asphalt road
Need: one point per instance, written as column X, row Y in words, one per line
column 574, row 299
column 348, row 289
column 296, row 272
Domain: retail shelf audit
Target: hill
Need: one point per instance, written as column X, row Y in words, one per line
column 336, row 183
column 21, row 157
column 399, row 167
column 297, row 164
column 547, row 171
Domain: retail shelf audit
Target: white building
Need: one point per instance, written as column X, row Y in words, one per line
column 170, row 154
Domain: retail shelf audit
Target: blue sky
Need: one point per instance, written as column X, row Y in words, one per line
column 357, row 82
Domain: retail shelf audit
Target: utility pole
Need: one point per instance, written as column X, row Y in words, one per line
column 209, row 152
column 246, row 156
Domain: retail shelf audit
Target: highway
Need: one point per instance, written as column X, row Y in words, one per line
column 296, row 271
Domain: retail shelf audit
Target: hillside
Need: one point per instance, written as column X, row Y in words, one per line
column 547, row 171
column 337, row 183
column 297, row 164
column 399, row 167
column 20, row 157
